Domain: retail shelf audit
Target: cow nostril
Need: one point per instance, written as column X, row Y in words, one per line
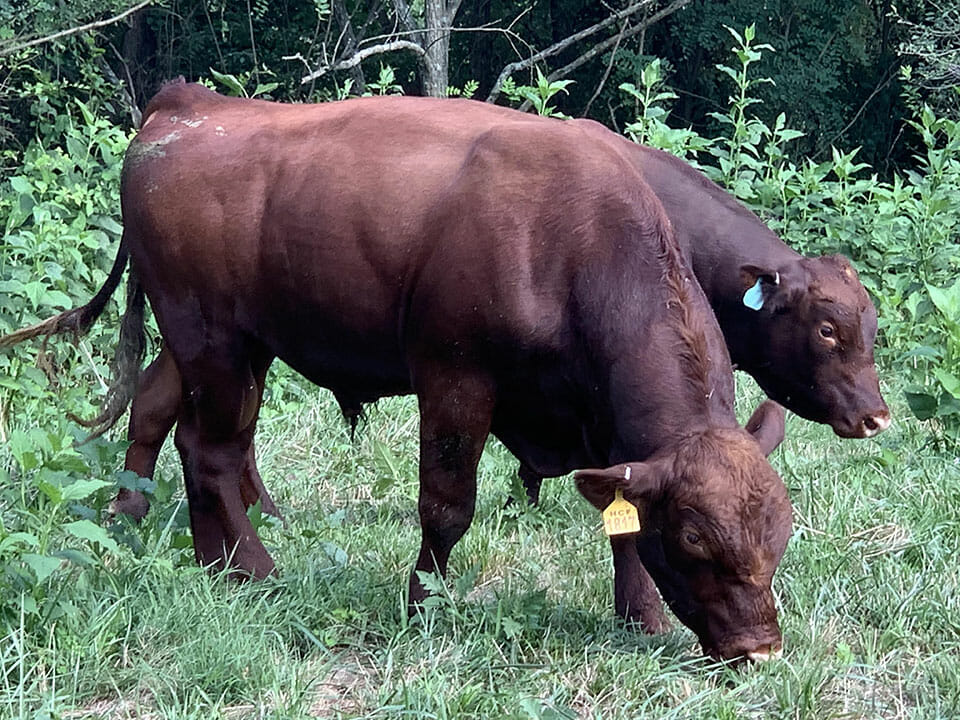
column 875, row 424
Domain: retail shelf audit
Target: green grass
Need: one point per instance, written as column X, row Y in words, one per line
column 868, row 588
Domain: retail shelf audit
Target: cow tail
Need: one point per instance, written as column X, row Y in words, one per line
column 78, row 320
column 125, row 366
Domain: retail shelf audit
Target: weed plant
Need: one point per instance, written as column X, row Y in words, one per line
column 103, row 619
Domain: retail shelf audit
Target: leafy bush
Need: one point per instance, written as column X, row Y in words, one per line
column 53, row 519
column 61, row 233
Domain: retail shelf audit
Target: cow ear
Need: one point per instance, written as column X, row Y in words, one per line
column 640, row 483
column 760, row 285
column 767, row 425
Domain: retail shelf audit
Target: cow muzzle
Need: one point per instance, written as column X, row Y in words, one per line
column 766, row 653
column 761, row 646
column 866, row 426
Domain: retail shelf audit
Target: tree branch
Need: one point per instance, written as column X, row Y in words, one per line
column 73, row 31
column 349, row 38
column 885, row 80
column 606, row 73
column 362, row 55
column 606, row 44
column 562, row 45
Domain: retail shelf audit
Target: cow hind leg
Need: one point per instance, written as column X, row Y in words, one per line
column 252, row 488
column 152, row 415
column 214, row 434
column 455, row 413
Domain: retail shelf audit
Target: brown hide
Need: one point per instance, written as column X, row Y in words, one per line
column 831, row 380
column 514, row 272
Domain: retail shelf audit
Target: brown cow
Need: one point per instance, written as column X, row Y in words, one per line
column 514, row 272
column 810, row 345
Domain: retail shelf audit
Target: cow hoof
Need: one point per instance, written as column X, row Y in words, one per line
column 651, row 621
column 130, row 503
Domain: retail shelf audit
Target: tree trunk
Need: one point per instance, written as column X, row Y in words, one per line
column 350, row 47
column 434, row 65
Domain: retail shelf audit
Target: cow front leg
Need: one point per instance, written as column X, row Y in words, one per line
column 531, row 484
column 635, row 595
column 214, row 434
column 455, row 414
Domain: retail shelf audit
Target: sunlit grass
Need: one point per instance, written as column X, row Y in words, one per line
column 868, row 590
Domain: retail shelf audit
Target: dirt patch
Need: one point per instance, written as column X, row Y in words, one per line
column 339, row 692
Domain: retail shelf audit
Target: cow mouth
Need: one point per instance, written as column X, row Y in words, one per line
column 737, row 654
column 866, row 427
column 760, row 643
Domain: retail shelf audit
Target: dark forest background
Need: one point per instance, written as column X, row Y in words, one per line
column 836, row 73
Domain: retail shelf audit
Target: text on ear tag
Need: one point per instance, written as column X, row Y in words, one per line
column 753, row 298
column 620, row 517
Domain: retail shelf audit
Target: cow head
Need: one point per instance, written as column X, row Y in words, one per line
column 715, row 520
column 813, row 347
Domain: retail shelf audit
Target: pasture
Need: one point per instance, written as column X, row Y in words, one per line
column 104, row 619
column 868, row 594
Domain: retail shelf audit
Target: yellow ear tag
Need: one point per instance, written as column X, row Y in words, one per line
column 620, row 517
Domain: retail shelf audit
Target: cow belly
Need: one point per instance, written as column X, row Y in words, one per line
column 364, row 375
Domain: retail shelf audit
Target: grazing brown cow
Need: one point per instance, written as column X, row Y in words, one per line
column 512, row 271
column 809, row 345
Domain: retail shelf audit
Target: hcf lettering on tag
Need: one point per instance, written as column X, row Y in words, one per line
column 620, row 517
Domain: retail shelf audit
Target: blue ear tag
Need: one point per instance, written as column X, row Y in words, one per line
column 753, row 298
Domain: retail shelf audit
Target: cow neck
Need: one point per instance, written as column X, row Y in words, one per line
column 669, row 374
column 717, row 235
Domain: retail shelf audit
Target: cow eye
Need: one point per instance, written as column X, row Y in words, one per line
column 828, row 332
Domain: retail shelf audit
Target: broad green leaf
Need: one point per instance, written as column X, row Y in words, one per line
column 88, row 117
column 230, row 81
column 105, row 222
column 263, row 88
column 949, row 381
column 77, row 557
column 80, row 489
column 923, row 405
column 947, row 301
column 86, row 530
column 18, row 538
column 43, row 566
column 21, row 185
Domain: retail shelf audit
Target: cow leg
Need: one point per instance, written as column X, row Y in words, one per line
column 251, row 484
column 152, row 415
column 531, row 483
column 635, row 595
column 455, row 415
column 252, row 489
column 214, row 434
